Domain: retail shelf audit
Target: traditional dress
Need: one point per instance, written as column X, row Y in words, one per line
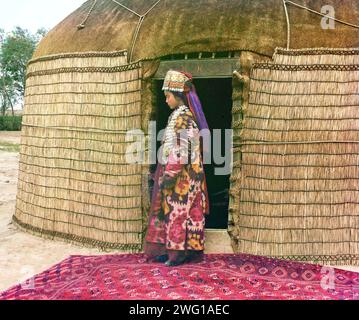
column 180, row 199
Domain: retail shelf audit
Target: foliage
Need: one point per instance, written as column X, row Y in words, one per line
column 10, row 123
column 16, row 49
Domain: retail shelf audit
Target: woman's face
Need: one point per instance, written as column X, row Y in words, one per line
column 171, row 100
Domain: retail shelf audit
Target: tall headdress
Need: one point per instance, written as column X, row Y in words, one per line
column 180, row 81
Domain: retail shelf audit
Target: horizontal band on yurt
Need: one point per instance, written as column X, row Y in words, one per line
column 27, row 95
column 126, row 195
column 301, row 77
column 84, row 104
column 81, row 79
column 316, row 51
column 72, row 82
column 304, row 172
column 337, row 258
column 85, row 70
column 299, row 130
column 280, row 142
column 304, row 237
column 112, row 152
column 114, row 188
column 116, row 124
column 295, row 137
column 81, row 170
column 83, row 115
column 84, row 129
column 100, row 200
column 89, row 54
column 77, row 62
column 126, row 127
column 81, row 215
column 299, row 67
column 294, row 228
column 319, row 179
column 296, row 165
column 295, row 119
column 312, row 56
column 27, row 212
column 108, row 199
column 321, row 259
column 304, row 106
column 100, row 86
column 273, row 93
column 303, row 81
column 260, row 84
column 279, row 215
column 80, row 137
column 83, row 226
column 79, row 140
column 82, row 161
column 305, row 203
column 77, row 239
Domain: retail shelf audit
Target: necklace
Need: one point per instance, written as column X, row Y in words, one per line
column 169, row 134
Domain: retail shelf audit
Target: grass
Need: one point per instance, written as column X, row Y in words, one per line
column 9, row 147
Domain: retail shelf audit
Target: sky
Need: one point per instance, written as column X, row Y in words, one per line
column 35, row 14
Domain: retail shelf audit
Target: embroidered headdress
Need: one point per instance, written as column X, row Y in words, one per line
column 176, row 81
column 180, row 81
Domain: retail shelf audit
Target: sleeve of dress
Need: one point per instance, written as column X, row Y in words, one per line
column 178, row 156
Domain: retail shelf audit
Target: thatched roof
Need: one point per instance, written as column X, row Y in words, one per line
column 181, row 26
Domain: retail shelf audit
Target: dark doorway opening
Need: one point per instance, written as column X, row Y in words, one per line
column 216, row 98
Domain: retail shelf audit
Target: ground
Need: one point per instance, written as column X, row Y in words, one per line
column 23, row 255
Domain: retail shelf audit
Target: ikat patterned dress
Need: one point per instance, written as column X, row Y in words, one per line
column 178, row 209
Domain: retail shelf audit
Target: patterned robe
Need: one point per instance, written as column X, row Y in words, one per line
column 177, row 216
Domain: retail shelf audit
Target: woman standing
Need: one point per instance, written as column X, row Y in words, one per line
column 179, row 203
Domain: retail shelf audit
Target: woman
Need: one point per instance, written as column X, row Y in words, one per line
column 179, row 203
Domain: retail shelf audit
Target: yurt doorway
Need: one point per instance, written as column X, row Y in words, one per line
column 216, row 97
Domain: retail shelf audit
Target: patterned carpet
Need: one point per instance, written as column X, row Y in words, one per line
column 219, row 277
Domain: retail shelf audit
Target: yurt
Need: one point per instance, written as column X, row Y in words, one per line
column 284, row 75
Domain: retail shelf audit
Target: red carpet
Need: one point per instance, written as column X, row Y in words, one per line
column 219, row 276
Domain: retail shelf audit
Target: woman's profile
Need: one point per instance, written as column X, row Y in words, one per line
column 179, row 202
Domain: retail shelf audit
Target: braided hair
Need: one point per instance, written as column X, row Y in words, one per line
column 182, row 95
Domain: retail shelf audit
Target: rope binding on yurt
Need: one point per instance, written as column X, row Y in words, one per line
column 310, row 10
column 138, row 27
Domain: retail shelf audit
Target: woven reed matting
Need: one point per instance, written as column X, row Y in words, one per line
column 342, row 56
column 74, row 182
column 299, row 189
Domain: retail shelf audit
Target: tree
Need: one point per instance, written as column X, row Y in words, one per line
column 16, row 49
column 3, row 100
column 7, row 94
